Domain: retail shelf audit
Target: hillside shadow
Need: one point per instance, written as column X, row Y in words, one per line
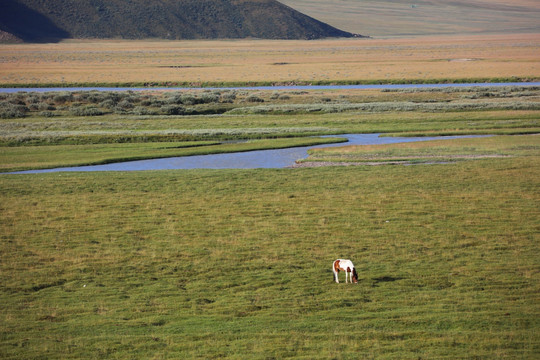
column 27, row 24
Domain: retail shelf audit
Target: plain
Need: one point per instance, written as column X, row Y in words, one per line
column 236, row 264
column 450, row 58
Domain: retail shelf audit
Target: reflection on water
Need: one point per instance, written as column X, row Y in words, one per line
column 245, row 160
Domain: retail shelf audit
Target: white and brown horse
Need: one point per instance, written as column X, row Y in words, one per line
column 346, row 266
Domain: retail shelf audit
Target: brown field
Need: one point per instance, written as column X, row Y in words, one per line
column 422, row 58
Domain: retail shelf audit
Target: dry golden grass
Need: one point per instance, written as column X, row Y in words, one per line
column 441, row 57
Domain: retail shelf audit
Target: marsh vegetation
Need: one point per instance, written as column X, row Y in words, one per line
column 146, row 124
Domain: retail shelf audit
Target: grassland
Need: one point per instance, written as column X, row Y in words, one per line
column 236, row 264
column 423, row 59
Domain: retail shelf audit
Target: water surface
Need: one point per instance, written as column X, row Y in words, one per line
column 259, row 159
column 292, row 87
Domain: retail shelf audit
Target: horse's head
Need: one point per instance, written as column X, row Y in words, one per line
column 354, row 276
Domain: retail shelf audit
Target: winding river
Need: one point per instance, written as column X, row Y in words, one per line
column 259, row 159
column 253, row 159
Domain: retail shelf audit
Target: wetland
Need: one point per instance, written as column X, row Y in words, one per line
column 65, row 129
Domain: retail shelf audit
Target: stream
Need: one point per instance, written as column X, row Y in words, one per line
column 259, row 159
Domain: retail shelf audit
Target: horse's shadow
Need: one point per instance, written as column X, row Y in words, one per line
column 385, row 279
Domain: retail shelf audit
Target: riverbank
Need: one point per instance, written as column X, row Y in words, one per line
column 438, row 151
column 260, row 154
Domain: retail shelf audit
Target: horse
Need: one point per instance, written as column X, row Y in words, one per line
column 348, row 267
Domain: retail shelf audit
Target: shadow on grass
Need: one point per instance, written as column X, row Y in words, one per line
column 385, row 279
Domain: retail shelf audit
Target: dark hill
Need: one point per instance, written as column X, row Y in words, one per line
column 44, row 20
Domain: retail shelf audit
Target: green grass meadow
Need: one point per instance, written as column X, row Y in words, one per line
column 237, row 263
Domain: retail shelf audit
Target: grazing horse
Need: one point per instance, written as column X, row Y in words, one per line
column 348, row 267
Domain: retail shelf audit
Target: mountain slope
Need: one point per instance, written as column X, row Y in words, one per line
column 425, row 17
column 20, row 22
column 167, row 19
